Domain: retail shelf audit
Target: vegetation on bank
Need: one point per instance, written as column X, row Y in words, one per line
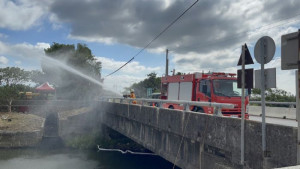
column 14, row 80
column 274, row 95
column 140, row 88
column 19, row 122
column 108, row 140
column 71, row 86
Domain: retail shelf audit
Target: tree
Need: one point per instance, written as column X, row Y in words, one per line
column 13, row 75
column 37, row 77
column 12, row 81
column 275, row 95
column 151, row 81
column 69, row 85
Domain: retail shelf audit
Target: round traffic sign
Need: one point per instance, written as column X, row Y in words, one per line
column 264, row 47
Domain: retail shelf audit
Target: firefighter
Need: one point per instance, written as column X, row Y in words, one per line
column 132, row 96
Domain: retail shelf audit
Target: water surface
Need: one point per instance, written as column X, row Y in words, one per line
column 77, row 159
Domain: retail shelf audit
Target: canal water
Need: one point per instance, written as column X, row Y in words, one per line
column 62, row 158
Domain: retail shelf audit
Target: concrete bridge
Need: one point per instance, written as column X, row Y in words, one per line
column 193, row 140
column 188, row 139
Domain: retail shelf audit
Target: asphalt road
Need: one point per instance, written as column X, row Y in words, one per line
column 280, row 121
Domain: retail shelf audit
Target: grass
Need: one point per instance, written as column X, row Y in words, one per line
column 19, row 122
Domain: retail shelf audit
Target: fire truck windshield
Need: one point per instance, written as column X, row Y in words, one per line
column 227, row 88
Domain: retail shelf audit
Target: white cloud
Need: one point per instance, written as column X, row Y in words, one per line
column 23, row 50
column 105, row 40
column 132, row 68
column 117, row 83
column 56, row 24
column 208, row 26
column 132, row 73
column 18, row 62
column 24, row 53
column 3, row 60
column 21, row 14
column 212, row 61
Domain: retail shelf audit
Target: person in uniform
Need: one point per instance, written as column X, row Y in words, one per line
column 132, row 96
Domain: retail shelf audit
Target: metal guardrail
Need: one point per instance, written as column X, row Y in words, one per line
column 186, row 104
column 278, row 103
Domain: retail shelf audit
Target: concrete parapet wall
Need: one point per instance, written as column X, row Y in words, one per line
column 196, row 140
column 279, row 112
column 20, row 139
column 76, row 124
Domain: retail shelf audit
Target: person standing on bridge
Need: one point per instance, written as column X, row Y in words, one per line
column 132, row 96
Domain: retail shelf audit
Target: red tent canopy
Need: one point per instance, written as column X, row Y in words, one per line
column 45, row 87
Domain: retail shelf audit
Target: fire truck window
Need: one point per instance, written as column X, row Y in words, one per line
column 208, row 88
column 207, row 84
column 227, row 88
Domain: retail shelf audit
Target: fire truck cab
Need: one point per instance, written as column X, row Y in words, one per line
column 204, row 87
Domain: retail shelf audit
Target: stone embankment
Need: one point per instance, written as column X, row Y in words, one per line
column 77, row 121
column 28, row 130
column 20, row 130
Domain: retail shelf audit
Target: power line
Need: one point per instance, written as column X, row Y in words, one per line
column 156, row 37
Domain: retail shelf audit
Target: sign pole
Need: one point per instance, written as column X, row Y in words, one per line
column 262, row 63
column 243, row 108
column 298, row 103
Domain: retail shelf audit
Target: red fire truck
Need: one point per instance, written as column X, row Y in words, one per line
column 204, row 87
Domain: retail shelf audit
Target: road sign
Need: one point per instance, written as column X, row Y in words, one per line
column 264, row 47
column 289, row 51
column 248, row 78
column 290, row 59
column 264, row 51
column 270, row 78
column 248, row 58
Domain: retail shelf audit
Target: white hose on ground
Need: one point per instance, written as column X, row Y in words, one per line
column 124, row 152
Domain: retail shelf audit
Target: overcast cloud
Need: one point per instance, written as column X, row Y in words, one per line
column 3, row 60
column 211, row 29
column 208, row 37
column 22, row 14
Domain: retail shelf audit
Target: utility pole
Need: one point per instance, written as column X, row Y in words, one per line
column 167, row 63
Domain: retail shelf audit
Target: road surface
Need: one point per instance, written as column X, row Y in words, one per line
column 280, row 121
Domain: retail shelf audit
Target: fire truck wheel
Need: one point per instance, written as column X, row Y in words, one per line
column 171, row 107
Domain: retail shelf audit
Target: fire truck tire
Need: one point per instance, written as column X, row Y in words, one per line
column 171, row 107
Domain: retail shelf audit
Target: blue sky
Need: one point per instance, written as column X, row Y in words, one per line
column 207, row 38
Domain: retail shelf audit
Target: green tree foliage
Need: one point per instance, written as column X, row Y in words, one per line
column 69, row 85
column 274, row 95
column 12, row 81
column 151, row 81
column 13, row 75
column 37, row 77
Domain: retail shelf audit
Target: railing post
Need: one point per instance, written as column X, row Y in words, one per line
column 130, row 101
column 160, row 104
column 218, row 111
column 187, row 107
